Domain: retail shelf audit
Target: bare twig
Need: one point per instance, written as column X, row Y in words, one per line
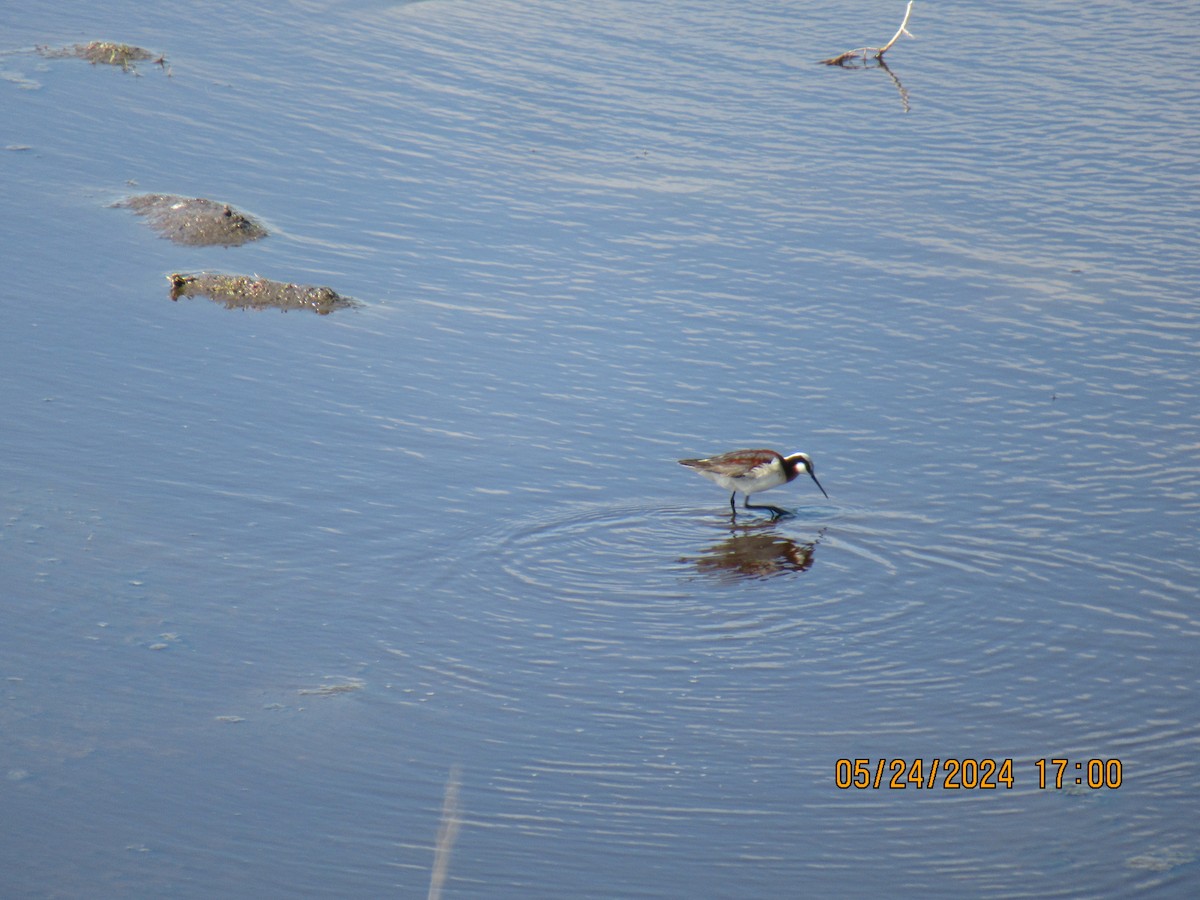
column 447, row 832
column 862, row 53
column 903, row 29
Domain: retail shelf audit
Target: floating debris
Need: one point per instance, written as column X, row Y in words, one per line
column 1163, row 859
column 252, row 292
column 104, row 53
column 328, row 690
column 195, row 221
column 858, row 58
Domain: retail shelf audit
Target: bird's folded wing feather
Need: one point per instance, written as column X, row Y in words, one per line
column 744, row 464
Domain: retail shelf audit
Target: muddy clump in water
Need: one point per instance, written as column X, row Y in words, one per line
column 252, row 292
column 104, row 53
column 195, row 221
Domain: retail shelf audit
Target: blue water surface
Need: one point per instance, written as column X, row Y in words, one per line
column 272, row 583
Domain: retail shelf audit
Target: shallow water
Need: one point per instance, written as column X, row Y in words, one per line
column 269, row 576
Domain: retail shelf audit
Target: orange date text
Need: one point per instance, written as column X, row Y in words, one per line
column 948, row 774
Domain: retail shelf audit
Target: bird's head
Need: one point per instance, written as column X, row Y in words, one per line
column 802, row 462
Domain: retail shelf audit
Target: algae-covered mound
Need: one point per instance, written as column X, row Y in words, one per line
column 252, row 292
column 103, row 52
column 195, row 221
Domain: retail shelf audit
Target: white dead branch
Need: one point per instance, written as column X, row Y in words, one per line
column 860, row 55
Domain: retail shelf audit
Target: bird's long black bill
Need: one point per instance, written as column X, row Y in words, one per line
column 818, row 484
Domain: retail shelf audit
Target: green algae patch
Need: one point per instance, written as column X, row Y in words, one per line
column 106, row 53
column 252, row 292
column 330, row 690
column 195, row 221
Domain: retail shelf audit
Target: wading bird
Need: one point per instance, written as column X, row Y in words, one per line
column 750, row 471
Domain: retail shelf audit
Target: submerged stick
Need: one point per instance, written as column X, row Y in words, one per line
column 862, row 52
column 447, row 832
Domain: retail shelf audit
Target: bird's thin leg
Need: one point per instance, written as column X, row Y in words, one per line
column 732, row 507
column 775, row 511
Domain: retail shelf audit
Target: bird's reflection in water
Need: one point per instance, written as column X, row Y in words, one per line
column 755, row 552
